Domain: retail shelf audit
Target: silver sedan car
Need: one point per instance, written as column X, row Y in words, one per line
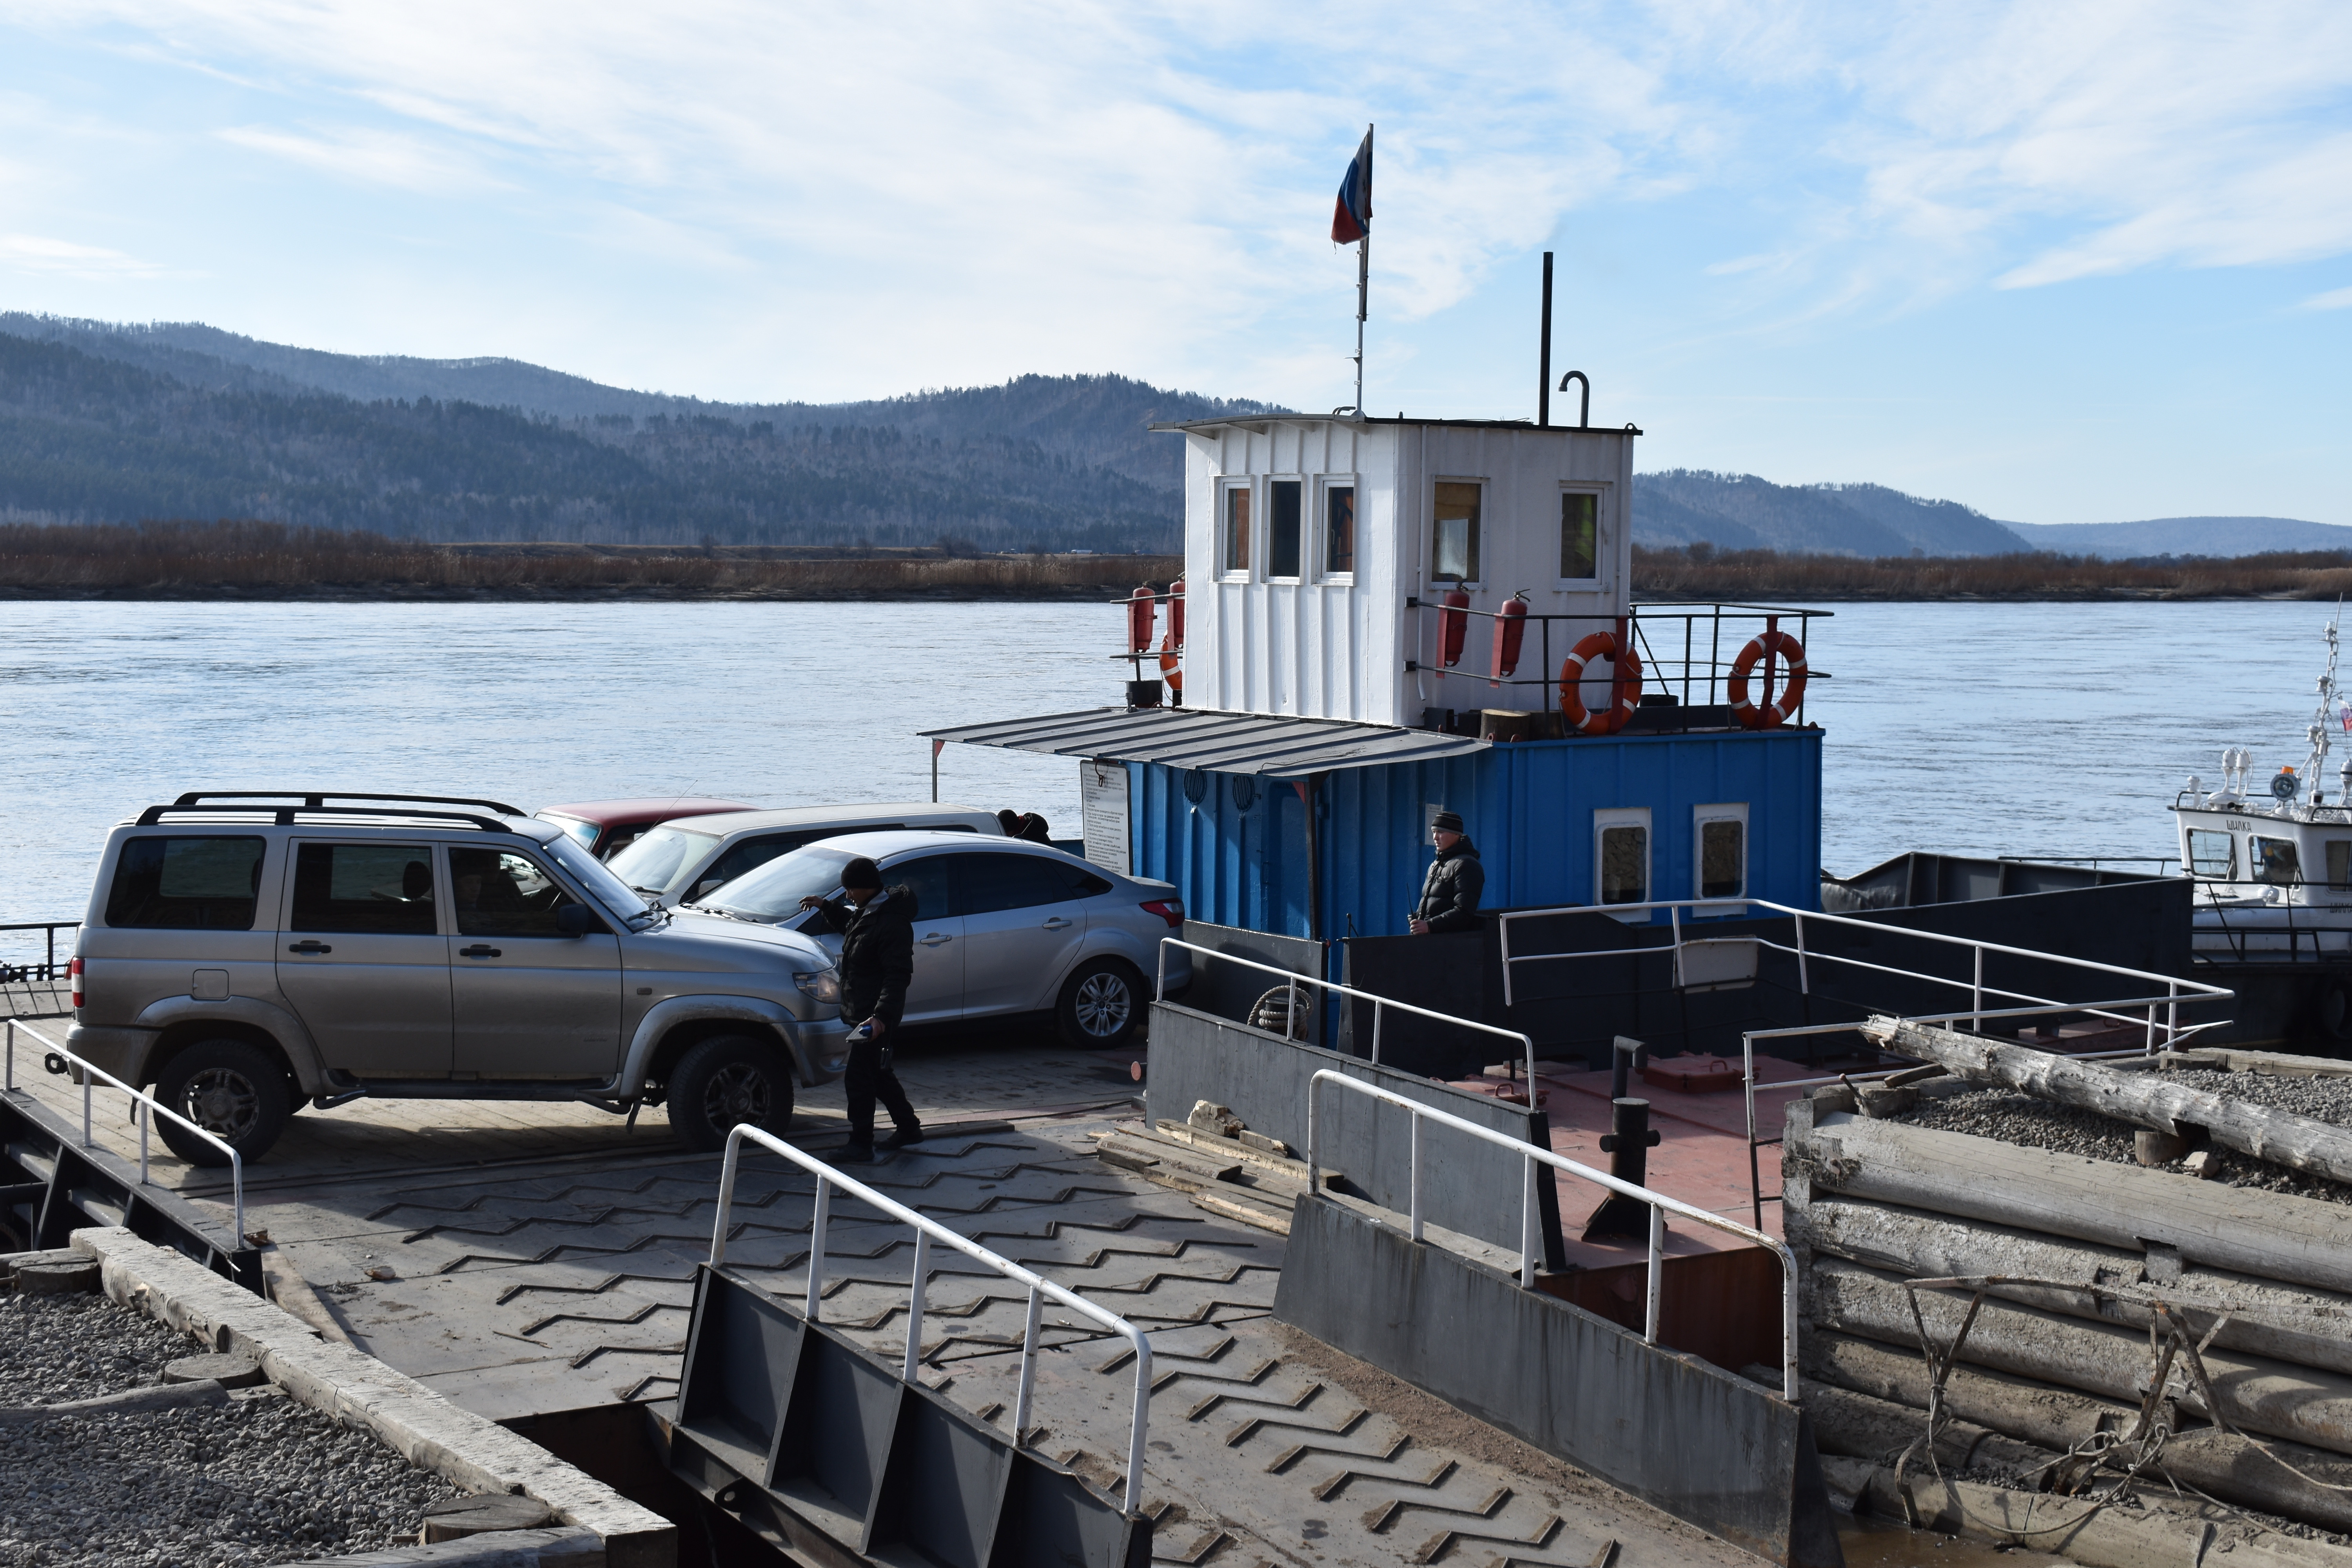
column 1003, row 927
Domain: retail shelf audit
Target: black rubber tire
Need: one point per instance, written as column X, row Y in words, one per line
column 1101, row 1006
column 727, row 1079
column 234, row 1088
column 2332, row 1012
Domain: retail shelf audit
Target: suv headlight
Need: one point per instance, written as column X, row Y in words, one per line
column 820, row 985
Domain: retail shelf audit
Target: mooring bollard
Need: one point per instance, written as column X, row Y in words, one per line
column 1627, row 1143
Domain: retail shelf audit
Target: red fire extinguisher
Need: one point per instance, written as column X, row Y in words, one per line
column 1141, row 609
column 1510, row 630
column 1452, row 626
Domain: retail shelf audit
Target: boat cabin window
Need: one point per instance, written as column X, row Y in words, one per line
column 1285, row 519
column 1620, row 843
column 2213, row 854
column 1340, row 530
column 2339, row 862
column 2273, row 861
column 1455, row 534
column 1237, row 529
column 1722, row 842
column 1580, row 535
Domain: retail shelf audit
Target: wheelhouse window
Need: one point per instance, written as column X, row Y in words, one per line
column 1340, row 530
column 1285, row 515
column 1722, row 844
column 1453, row 556
column 186, row 884
column 2339, row 863
column 2275, row 861
column 1580, row 535
column 2212, row 853
column 1237, row 529
column 1621, row 855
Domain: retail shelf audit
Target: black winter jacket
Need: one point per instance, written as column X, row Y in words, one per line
column 878, row 953
column 1449, row 893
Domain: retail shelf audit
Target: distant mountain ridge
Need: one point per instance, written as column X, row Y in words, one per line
column 103, row 422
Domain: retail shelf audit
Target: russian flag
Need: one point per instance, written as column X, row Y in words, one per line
column 1351, row 218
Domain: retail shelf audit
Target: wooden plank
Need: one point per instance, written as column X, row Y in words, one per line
column 2281, row 1137
column 2247, row 1230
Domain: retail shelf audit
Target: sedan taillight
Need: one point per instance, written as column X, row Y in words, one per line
column 1169, row 909
column 74, row 970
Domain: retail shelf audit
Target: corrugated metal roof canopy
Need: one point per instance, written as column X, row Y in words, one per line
column 1221, row 742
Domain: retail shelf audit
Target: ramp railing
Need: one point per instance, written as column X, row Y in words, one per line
column 1531, row 1155
column 149, row 1108
column 1378, row 1003
column 928, row 1230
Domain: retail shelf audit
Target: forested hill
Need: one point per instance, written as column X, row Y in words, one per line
column 155, row 429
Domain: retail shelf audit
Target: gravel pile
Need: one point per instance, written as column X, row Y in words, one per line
column 2032, row 1124
column 261, row 1479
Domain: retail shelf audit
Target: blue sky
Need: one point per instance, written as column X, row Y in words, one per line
column 2063, row 262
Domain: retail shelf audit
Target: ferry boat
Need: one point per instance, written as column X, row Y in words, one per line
column 2271, row 870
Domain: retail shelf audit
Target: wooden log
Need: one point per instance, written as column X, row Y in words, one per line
column 2220, row 1463
column 1864, row 1426
column 2275, row 1063
column 2256, row 1394
column 454, row 1518
column 129, row 1402
column 2161, row 1533
column 2247, row 1230
column 2307, row 1326
column 2280, row 1137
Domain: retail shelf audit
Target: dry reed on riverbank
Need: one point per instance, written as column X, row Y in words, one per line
column 267, row 559
column 1757, row 575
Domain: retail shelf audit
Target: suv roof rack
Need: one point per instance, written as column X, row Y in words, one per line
column 313, row 800
column 225, row 803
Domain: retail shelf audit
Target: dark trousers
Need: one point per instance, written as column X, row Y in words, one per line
column 865, row 1079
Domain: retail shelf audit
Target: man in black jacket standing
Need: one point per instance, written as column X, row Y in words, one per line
column 877, row 959
column 1449, row 893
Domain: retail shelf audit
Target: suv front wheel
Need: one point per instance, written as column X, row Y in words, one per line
column 725, row 1080
column 233, row 1090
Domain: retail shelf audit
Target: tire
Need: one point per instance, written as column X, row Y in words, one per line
column 725, row 1080
column 2333, row 1012
column 234, row 1089
column 1101, row 1006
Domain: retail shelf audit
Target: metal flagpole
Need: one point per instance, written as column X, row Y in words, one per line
column 1363, row 289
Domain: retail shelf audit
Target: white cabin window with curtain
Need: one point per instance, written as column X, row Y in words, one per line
column 1719, row 845
column 1621, row 858
column 1453, row 531
column 1235, row 530
column 1580, row 536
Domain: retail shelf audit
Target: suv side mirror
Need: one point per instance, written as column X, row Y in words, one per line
column 578, row 919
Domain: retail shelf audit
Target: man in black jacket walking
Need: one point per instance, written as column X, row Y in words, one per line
column 877, row 959
column 1449, row 893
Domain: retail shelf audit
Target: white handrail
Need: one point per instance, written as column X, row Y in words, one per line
column 928, row 1230
column 2196, row 990
column 149, row 1106
column 1527, row 1045
column 1532, row 1154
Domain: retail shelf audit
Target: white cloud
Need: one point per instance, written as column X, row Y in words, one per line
column 61, row 258
column 368, row 157
column 2333, row 300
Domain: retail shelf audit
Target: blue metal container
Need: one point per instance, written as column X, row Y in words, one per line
column 1236, row 845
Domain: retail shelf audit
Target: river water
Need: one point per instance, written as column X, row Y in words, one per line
column 1977, row 729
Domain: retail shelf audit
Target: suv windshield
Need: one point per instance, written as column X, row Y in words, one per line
column 773, row 891
column 597, row 878
column 660, row 861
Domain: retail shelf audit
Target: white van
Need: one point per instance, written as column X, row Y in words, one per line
column 688, row 856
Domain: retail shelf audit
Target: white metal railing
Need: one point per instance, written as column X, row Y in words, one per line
column 2175, row 989
column 149, row 1108
column 1294, row 979
column 1531, row 1155
column 928, row 1230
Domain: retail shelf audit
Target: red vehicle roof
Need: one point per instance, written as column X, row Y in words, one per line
column 650, row 809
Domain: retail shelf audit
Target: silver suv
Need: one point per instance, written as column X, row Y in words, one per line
column 247, row 952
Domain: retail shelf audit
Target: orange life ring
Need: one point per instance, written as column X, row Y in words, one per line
column 1774, row 713
column 1609, row 718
